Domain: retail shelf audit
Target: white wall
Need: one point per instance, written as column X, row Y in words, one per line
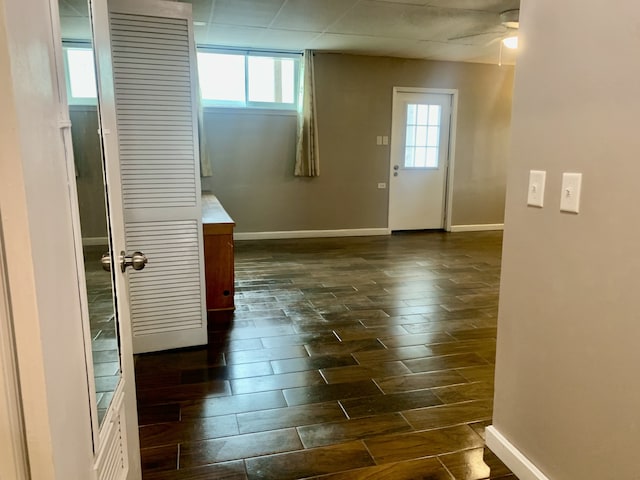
column 36, row 217
column 567, row 374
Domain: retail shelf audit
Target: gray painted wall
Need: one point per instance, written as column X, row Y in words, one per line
column 254, row 153
column 567, row 382
column 89, row 181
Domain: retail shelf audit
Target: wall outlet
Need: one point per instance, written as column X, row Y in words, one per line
column 382, row 185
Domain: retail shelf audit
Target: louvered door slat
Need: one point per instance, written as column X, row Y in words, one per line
column 154, row 91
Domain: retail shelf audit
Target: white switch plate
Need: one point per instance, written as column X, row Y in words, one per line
column 570, row 194
column 379, row 140
column 382, row 185
column 537, row 180
column 385, row 140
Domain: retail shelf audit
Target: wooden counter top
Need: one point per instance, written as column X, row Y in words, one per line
column 213, row 212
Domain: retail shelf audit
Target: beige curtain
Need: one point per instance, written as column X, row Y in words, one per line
column 307, row 151
column 205, row 155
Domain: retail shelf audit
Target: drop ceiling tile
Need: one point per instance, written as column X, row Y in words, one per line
column 359, row 44
column 252, row 13
column 201, row 9
column 495, row 6
column 412, row 21
column 278, row 39
column 234, row 36
column 412, row 2
column 311, row 15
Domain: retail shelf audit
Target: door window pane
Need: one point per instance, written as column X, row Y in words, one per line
column 422, row 136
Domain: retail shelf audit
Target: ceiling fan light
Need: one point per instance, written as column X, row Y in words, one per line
column 510, row 42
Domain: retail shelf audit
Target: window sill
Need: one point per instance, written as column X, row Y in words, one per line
column 250, row 111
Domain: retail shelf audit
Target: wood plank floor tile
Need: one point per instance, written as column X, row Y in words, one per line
column 278, row 418
column 417, row 339
column 158, row 413
column 345, row 347
column 188, row 430
column 329, row 433
column 222, row 471
column 464, row 392
column 394, row 402
column 355, row 348
column 364, row 372
column 307, row 463
column 475, row 464
column 395, row 448
column 401, row 353
column 159, row 458
column 193, row 454
column 446, row 362
column 422, row 469
column 252, row 356
column 449, row 414
column 420, row 381
column 326, row 393
column 312, row 363
column 179, row 393
column 226, row 372
column 211, row 407
column 276, row 382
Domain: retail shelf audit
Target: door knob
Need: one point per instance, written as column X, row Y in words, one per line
column 396, row 167
column 137, row 260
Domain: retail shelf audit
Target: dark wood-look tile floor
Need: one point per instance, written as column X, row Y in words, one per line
column 350, row 358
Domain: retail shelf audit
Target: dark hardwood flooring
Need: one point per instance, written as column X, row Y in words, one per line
column 350, row 358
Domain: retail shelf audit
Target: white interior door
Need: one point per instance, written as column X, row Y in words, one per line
column 419, row 160
column 118, row 449
column 152, row 68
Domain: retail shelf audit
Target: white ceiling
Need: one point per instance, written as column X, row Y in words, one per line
column 427, row 29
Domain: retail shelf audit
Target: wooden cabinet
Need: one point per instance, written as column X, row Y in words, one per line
column 217, row 228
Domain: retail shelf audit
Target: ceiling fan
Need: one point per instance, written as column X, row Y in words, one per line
column 507, row 33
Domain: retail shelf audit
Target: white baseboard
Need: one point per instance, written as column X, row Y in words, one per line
column 356, row 232
column 92, row 241
column 511, row 456
column 477, row 228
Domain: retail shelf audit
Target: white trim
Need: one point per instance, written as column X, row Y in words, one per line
column 355, row 232
column 453, row 128
column 14, row 461
column 486, row 227
column 511, row 456
column 93, row 241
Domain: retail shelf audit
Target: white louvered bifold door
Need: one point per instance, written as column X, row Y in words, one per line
column 154, row 73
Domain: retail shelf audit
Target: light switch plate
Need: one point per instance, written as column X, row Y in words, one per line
column 382, row 185
column 537, row 180
column 379, row 140
column 570, row 193
column 385, row 140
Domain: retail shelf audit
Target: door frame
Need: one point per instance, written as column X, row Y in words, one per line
column 448, row 202
column 13, row 457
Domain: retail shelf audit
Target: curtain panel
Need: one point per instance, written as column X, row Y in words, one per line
column 307, row 151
